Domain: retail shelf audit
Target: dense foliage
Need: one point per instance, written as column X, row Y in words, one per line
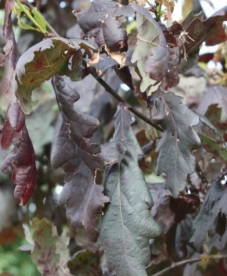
column 111, row 103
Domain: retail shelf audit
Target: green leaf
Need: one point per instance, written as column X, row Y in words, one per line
column 40, row 63
column 151, row 52
column 50, row 252
column 39, row 19
column 213, row 147
column 127, row 225
column 178, row 140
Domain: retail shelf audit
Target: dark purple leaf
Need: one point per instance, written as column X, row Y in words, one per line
column 80, row 159
column 102, row 20
column 206, row 220
column 210, row 30
column 16, row 116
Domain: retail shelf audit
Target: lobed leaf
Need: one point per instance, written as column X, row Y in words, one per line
column 21, row 162
column 80, row 159
column 127, row 225
column 50, row 253
column 178, row 140
column 151, row 52
column 40, row 63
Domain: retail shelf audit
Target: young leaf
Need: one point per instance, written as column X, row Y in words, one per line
column 50, row 252
column 151, row 52
column 127, row 225
column 79, row 159
column 178, row 140
column 206, row 220
column 21, row 162
column 40, row 63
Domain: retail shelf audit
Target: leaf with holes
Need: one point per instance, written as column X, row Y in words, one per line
column 40, row 63
column 127, row 225
column 151, row 52
column 178, row 140
column 80, row 159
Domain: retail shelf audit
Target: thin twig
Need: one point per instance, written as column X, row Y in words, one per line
column 106, row 85
column 110, row 90
column 188, row 261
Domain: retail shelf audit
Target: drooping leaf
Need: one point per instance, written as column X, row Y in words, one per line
column 50, row 253
column 151, row 52
column 102, row 21
column 178, row 140
column 210, row 30
column 8, row 81
column 40, row 126
column 80, row 159
column 214, row 95
column 127, row 224
column 206, row 220
column 40, row 63
column 21, row 162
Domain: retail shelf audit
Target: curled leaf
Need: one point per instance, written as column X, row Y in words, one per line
column 21, row 162
column 40, row 63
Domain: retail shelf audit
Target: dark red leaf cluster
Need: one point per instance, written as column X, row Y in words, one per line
column 21, row 161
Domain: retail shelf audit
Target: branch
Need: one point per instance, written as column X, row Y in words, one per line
column 188, row 261
column 93, row 73
column 110, row 90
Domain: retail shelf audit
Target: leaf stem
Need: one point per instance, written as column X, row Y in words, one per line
column 28, row 14
column 110, row 90
column 188, row 261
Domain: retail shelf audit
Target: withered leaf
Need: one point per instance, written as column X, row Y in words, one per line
column 40, row 63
